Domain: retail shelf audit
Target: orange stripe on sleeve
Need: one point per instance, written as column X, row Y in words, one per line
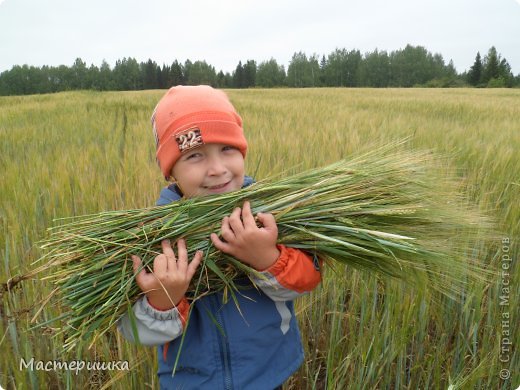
column 295, row 270
column 183, row 307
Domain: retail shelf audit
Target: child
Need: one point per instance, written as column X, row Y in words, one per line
column 201, row 146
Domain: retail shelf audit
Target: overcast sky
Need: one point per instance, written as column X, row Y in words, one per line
column 223, row 32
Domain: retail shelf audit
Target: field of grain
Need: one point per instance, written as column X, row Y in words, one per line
column 83, row 152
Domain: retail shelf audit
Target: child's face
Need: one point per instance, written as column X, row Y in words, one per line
column 209, row 169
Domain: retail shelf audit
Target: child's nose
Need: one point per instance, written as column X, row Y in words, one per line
column 216, row 167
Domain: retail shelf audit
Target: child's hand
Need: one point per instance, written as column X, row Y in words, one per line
column 171, row 276
column 246, row 241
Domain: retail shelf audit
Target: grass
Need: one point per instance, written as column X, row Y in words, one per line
column 384, row 212
column 84, row 152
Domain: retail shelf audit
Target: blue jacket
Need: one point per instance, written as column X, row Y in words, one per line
column 256, row 345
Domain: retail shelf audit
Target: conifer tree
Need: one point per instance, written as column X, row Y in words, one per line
column 238, row 76
column 491, row 65
column 475, row 72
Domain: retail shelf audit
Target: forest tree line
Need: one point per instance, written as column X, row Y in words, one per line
column 413, row 66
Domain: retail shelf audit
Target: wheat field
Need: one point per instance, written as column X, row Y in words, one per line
column 83, row 152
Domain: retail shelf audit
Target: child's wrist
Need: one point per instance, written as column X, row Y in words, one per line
column 161, row 303
column 268, row 259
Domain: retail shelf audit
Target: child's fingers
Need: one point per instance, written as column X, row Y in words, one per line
column 167, row 249
column 182, row 255
column 247, row 215
column 226, row 231
column 160, row 265
column 194, row 263
column 219, row 244
column 136, row 263
column 235, row 222
column 140, row 275
column 268, row 221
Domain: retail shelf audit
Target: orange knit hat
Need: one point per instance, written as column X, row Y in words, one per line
column 190, row 116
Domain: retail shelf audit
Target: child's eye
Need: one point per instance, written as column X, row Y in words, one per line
column 227, row 147
column 193, row 155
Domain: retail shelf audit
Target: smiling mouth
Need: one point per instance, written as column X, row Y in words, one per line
column 217, row 187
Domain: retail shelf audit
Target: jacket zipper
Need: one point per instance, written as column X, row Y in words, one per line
column 223, row 345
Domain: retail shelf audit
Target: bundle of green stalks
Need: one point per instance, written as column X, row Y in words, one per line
column 385, row 212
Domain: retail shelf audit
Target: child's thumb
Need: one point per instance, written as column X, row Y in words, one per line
column 136, row 262
column 139, row 274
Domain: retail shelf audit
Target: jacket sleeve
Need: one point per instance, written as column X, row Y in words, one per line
column 154, row 327
column 293, row 274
